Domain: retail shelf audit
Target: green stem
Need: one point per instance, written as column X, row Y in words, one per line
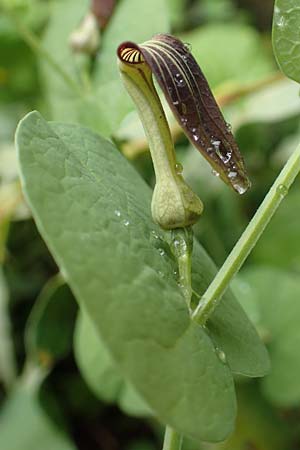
column 249, row 238
column 181, row 245
column 173, row 440
column 33, row 42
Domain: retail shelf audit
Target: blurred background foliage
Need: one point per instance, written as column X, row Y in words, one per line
column 58, row 391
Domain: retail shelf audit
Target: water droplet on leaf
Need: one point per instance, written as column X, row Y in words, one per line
column 161, row 252
column 221, row 355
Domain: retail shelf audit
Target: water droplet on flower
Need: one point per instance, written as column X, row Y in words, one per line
column 161, row 252
column 240, row 188
column 184, row 121
column 195, row 133
column 188, row 46
column 216, row 144
column 117, row 213
column 179, row 80
column 280, row 22
column 282, row 190
column 232, row 174
column 226, row 158
column 178, row 168
column 175, row 273
column 215, row 173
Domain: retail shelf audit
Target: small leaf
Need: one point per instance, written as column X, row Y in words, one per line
column 49, row 329
column 192, row 102
column 93, row 210
column 276, row 296
column 286, row 37
column 24, row 425
column 100, row 371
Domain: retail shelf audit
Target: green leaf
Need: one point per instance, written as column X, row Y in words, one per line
column 277, row 294
column 229, row 327
column 100, row 371
column 286, row 37
column 284, row 231
column 49, row 329
column 24, row 425
column 93, row 210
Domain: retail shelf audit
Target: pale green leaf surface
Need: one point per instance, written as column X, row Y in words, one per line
column 286, row 37
column 93, row 210
column 274, row 103
column 24, row 425
column 101, row 372
column 277, row 295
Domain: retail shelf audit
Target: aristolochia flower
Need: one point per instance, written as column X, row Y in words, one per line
column 192, row 103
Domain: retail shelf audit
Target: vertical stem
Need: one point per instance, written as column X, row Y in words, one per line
column 173, row 440
column 249, row 238
column 181, row 245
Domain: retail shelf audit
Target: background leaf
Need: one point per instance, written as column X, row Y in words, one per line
column 35, row 428
column 100, row 371
column 286, row 37
column 50, row 325
column 276, row 296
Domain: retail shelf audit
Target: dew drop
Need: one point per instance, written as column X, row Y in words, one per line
column 117, row 213
column 228, row 126
column 221, row 355
column 161, row 252
column 175, row 102
column 282, row 190
column 126, row 222
column 241, row 189
column 215, row 173
column 195, row 133
column 188, row 46
column 226, row 158
column 184, row 121
column 178, row 168
column 179, row 80
column 154, row 234
column 175, row 273
column 216, row 144
column 280, row 22
column 232, row 174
